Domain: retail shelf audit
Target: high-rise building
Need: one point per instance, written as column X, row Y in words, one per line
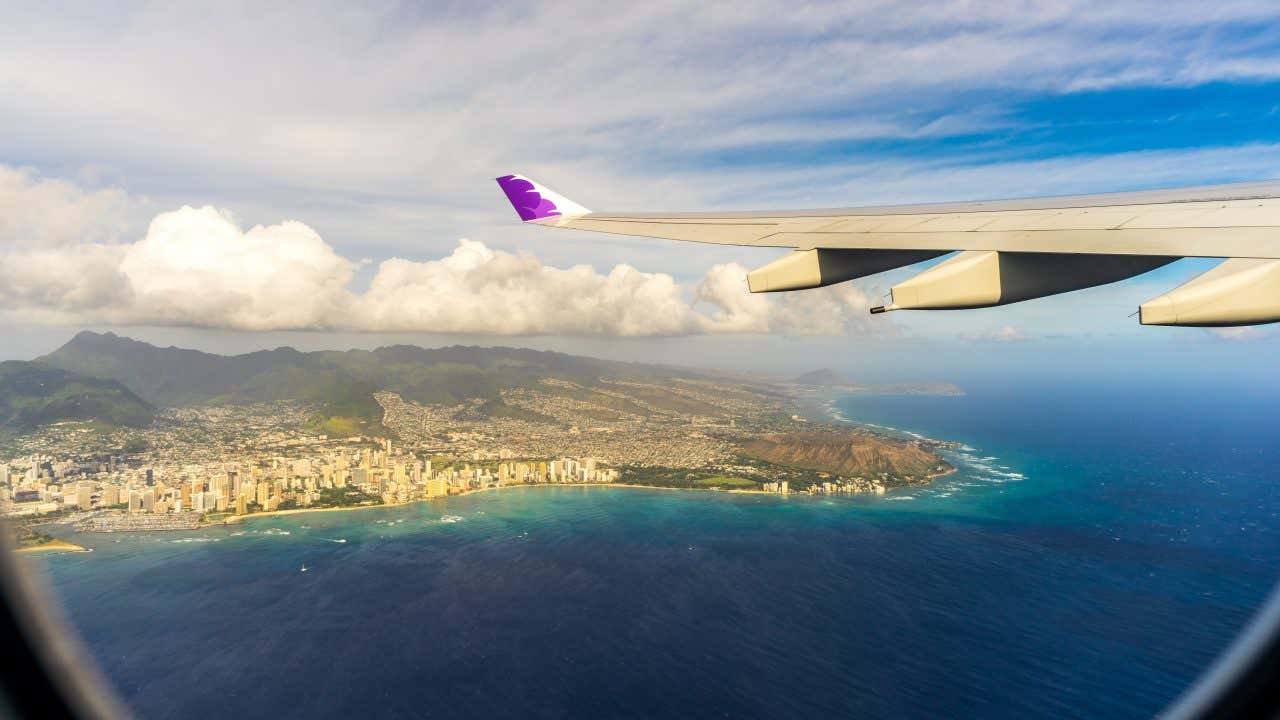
column 437, row 486
column 84, row 492
column 241, row 505
column 135, row 501
column 264, row 493
column 111, row 495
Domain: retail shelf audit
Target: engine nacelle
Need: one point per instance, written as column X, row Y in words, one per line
column 805, row 269
column 983, row 278
column 1238, row 291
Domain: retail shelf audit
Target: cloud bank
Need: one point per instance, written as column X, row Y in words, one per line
column 197, row 267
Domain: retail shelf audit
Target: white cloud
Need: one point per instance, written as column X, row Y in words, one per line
column 194, row 267
column 40, row 212
column 832, row 310
column 197, row 267
column 479, row 290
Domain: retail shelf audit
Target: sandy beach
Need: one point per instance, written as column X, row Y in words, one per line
column 298, row 511
column 56, row 545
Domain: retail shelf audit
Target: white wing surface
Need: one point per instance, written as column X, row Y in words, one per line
column 1009, row 250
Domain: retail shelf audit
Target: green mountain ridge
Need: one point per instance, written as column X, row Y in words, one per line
column 33, row 394
column 340, row 383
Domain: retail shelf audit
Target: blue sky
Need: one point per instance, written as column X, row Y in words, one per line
column 378, row 129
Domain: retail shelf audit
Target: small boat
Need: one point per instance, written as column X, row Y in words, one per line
column 304, row 568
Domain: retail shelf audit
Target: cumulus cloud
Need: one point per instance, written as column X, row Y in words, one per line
column 831, row 310
column 479, row 290
column 195, row 266
column 198, row 267
column 40, row 212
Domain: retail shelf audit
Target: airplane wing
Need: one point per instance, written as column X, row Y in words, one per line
column 1009, row 250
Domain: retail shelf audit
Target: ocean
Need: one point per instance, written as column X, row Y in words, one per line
column 1099, row 545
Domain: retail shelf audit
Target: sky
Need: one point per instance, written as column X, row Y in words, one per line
column 239, row 177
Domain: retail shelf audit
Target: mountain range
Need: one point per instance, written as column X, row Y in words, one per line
column 340, row 385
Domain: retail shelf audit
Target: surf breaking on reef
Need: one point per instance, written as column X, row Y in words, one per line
column 979, row 470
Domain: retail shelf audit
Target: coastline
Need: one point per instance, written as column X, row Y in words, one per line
column 55, row 545
column 298, row 511
column 233, row 519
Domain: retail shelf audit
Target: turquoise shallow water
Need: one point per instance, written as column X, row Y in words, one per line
column 1095, row 551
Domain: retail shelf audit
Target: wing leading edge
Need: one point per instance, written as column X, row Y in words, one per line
column 1010, row 250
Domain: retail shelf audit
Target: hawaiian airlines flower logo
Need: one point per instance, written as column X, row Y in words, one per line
column 528, row 202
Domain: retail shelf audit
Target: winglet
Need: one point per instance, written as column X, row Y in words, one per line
column 537, row 202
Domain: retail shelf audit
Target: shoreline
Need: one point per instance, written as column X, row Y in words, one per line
column 298, row 511
column 53, row 546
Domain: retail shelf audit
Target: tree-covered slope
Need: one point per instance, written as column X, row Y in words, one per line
column 341, row 384
column 34, row 394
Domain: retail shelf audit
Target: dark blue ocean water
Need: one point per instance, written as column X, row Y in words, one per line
column 1097, row 549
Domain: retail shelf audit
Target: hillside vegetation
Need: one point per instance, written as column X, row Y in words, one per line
column 33, row 394
column 340, row 384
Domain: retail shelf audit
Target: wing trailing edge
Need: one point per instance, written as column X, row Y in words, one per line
column 1010, row 250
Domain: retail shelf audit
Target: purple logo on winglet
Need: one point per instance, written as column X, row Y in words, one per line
column 528, row 202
